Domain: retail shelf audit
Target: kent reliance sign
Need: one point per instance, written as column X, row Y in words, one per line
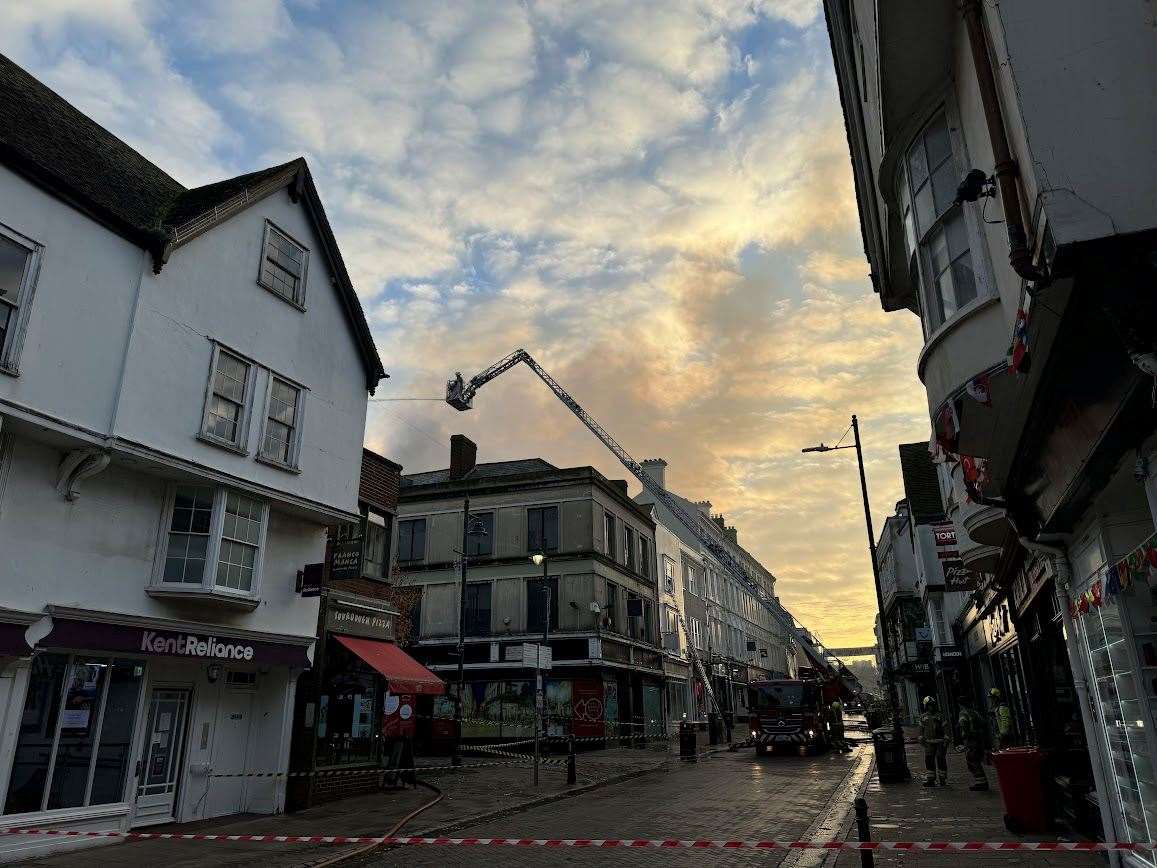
column 198, row 645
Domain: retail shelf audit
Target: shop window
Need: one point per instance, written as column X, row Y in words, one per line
column 75, row 734
column 478, row 608
column 376, row 563
column 542, row 529
column 348, row 709
column 480, row 535
column 412, row 539
column 536, row 604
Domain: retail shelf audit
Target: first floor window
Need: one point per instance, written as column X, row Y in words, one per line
column 76, row 733
column 629, row 547
column 279, row 442
column 16, row 273
column 609, row 610
column 376, row 546
column 542, row 529
column 478, row 608
column 935, row 231
column 412, row 539
column 214, row 539
column 690, row 579
column 609, row 547
column 668, row 575
column 536, row 604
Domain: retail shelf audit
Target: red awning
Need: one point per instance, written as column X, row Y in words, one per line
column 405, row 674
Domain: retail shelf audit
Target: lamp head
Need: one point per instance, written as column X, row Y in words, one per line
column 538, row 559
column 820, row 448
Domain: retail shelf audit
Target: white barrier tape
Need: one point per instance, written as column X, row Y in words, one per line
column 659, row 843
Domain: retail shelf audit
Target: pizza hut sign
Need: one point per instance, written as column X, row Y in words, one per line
column 958, row 577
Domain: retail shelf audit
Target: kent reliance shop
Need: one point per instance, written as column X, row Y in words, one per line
column 115, row 724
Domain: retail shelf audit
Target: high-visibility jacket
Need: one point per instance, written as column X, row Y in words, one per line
column 1002, row 720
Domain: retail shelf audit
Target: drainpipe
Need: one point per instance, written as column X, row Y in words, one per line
column 1005, row 168
column 1059, row 557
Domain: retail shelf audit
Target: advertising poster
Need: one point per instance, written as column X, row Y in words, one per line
column 558, row 707
column 587, row 707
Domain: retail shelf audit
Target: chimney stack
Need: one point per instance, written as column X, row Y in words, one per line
column 656, row 468
column 704, row 507
column 732, row 534
column 463, row 456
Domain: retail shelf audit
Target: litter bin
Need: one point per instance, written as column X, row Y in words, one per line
column 688, row 741
column 891, row 763
column 1019, row 771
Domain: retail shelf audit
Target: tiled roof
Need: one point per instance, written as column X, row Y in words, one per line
column 490, row 470
column 921, row 484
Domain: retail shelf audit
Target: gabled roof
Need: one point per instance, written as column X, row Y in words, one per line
column 921, row 484
column 57, row 147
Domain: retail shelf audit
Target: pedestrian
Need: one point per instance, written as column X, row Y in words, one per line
column 934, row 740
column 1000, row 719
column 974, row 736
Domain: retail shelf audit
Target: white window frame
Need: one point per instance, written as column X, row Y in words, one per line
column 208, row 583
column 668, row 575
column 294, row 462
column 978, row 253
column 298, row 300
column 14, row 338
column 241, row 444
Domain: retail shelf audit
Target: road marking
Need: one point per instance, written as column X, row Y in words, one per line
column 831, row 819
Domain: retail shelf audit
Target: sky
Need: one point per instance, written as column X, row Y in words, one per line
column 653, row 197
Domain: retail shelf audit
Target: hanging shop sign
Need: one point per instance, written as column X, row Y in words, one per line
column 346, row 558
column 198, row 645
column 359, row 616
column 948, row 655
column 958, row 577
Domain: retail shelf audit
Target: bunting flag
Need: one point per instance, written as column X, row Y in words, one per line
column 979, row 389
column 975, row 476
column 1095, row 594
column 938, row 453
column 1019, row 359
column 948, row 427
column 1140, row 565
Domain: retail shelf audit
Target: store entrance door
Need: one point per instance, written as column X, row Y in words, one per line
column 230, row 749
column 161, row 755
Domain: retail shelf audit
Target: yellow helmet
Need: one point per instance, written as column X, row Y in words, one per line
column 929, row 701
column 994, row 693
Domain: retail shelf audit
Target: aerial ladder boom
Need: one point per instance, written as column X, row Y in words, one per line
column 460, row 395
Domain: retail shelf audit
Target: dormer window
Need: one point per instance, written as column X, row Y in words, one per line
column 283, row 265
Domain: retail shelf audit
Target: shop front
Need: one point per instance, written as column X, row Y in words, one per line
column 118, row 725
column 357, row 708
column 1113, row 610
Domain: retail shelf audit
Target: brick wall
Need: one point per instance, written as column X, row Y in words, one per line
column 329, row 789
column 380, row 481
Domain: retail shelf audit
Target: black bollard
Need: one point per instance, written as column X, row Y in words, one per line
column 864, row 833
column 571, row 774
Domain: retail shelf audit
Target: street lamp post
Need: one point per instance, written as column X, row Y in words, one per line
column 539, row 696
column 885, row 637
column 468, row 530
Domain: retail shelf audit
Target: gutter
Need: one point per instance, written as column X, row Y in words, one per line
column 1005, row 167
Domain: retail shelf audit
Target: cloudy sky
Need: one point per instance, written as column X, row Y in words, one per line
column 654, row 198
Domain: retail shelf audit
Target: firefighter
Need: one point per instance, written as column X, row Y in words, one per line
column 974, row 735
column 1000, row 716
column 934, row 740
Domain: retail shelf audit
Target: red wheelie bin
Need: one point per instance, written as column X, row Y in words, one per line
column 1020, row 773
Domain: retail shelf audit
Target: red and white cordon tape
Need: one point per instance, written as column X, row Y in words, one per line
column 610, row 843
